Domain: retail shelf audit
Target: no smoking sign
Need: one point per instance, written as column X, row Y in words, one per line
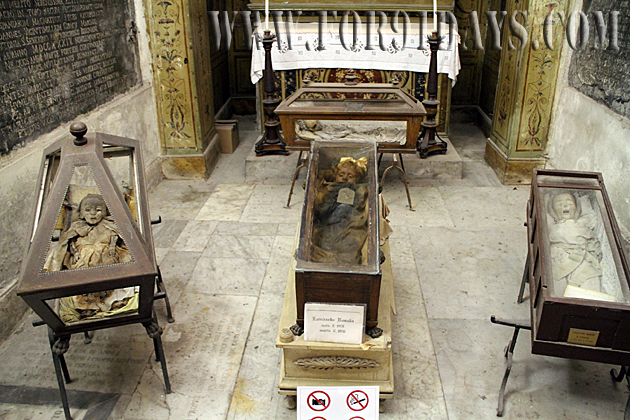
column 337, row 403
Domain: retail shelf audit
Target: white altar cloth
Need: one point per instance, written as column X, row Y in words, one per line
column 334, row 55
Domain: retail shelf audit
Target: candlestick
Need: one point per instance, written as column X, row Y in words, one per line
column 266, row 15
column 435, row 16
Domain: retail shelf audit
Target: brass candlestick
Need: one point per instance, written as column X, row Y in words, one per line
column 272, row 141
column 427, row 144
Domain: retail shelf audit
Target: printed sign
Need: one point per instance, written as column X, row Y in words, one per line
column 337, row 403
column 334, row 323
column 357, row 400
column 318, row 401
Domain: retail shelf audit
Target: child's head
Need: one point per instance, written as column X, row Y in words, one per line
column 350, row 170
column 92, row 209
column 564, row 206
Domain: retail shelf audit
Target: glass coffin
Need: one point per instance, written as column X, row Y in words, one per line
column 338, row 251
column 90, row 258
column 347, row 110
column 578, row 270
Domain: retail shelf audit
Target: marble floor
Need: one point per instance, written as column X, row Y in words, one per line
column 224, row 248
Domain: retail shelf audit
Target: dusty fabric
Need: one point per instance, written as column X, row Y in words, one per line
column 91, row 246
column 98, row 305
column 340, row 230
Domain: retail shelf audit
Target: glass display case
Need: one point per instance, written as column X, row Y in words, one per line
column 306, row 115
column 90, row 261
column 338, row 256
column 577, row 268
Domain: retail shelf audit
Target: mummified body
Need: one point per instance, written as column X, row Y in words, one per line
column 340, row 226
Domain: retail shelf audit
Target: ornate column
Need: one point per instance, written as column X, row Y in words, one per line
column 525, row 95
column 183, row 85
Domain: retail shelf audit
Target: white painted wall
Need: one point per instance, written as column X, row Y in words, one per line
column 130, row 115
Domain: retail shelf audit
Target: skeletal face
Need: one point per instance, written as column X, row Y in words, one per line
column 93, row 210
column 564, row 206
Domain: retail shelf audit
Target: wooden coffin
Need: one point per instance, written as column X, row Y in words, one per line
column 578, row 270
column 338, row 251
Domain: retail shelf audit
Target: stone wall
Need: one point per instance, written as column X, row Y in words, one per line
column 586, row 135
column 132, row 114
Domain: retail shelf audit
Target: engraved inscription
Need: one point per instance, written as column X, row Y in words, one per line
column 59, row 59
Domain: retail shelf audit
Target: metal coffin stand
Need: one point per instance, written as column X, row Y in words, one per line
column 306, row 363
column 69, row 268
column 586, row 328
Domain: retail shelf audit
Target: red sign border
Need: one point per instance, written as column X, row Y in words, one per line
column 309, row 403
column 362, row 392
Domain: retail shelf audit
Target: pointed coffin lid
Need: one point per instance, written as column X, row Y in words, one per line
column 58, row 283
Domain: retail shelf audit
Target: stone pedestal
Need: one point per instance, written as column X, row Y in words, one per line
column 309, row 363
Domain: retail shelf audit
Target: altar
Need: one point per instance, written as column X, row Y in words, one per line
column 376, row 57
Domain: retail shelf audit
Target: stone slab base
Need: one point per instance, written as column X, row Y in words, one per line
column 193, row 165
column 511, row 171
column 300, row 358
column 449, row 165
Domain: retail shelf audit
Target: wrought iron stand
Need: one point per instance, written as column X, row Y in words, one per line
column 427, row 144
column 624, row 372
column 272, row 141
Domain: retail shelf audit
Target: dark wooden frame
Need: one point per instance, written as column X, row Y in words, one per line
column 325, row 283
column 36, row 286
column 552, row 317
column 413, row 117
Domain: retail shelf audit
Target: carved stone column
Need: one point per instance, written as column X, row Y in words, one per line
column 525, row 95
column 183, row 85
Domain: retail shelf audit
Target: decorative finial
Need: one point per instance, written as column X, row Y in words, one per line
column 351, row 78
column 78, row 130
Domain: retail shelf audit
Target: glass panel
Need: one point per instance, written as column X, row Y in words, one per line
column 119, row 160
column 339, row 229
column 584, row 258
column 375, row 131
column 97, row 305
column 86, row 234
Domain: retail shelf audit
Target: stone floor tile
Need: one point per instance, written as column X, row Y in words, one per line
column 267, row 202
column 204, row 350
column 470, row 273
column 235, row 276
column 225, row 203
column 275, row 280
column 195, row 236
column 287, row 229
column 471, row 358
column 246, row 229
column 256, row 391
column 233, row 246
column 427, row 203
column 165, row 234
column 177, row 268
column 112, row 363
column 486, row 206
column 178, row 199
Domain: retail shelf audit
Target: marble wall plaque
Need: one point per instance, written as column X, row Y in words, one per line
column 60, row 59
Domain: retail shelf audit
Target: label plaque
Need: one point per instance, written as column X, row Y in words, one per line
column 583, row 337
